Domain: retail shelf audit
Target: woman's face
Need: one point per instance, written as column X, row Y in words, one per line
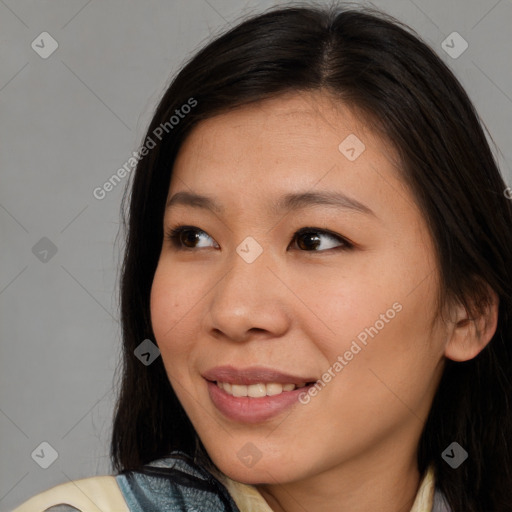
column 250, row 305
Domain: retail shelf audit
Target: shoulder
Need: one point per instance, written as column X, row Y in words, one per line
column 94, row 494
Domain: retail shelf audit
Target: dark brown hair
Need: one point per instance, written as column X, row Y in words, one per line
column 375, row 64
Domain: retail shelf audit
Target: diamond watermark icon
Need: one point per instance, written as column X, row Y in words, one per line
column 249, row 249
column 249, row 454
column 44, row 250
column 351, row 147
column 44, row 45
column 454, row 45
column 147, row 352
column 454, row 455
column 45, row 455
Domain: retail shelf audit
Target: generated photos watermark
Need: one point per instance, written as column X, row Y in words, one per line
column 343, row 360
column 109, row 185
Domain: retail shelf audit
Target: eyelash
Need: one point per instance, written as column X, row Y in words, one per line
column 173, row 235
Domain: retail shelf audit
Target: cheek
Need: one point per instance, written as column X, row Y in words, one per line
column 395, row 369
column 161, row 305
column 382, row 322
column 170, row 311
column 347, row 304
column 168, row 320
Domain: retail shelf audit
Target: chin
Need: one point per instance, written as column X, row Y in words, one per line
column 252, row 472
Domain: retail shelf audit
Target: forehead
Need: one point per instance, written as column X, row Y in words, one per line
column 296, row 131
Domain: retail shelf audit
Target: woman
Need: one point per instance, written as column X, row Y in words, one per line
column 319, row 245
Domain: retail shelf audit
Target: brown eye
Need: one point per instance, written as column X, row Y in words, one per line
column 309, row 239
column 186, row 237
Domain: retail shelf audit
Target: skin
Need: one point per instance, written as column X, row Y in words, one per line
column 296, row 308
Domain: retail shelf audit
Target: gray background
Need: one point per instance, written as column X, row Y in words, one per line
column 67, row 123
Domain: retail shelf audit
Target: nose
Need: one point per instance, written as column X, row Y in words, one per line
column 251, row 298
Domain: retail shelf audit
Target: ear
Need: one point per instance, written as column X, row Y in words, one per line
column 468, row 336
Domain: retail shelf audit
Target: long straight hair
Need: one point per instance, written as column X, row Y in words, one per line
column 377, row 65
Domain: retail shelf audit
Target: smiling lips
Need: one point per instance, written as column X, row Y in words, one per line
column 255, row 394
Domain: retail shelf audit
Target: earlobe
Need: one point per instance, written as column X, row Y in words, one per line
column 469, row 336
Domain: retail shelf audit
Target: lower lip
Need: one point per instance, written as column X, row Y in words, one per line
column 252, row 410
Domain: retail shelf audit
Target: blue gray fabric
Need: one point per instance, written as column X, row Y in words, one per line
column 174, row 484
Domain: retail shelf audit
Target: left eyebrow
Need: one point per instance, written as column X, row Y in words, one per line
column 297, row 201
column 287, row 203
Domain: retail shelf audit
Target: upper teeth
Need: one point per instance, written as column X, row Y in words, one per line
column 257, row 390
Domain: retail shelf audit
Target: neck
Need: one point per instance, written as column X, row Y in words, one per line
column 357, row 486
